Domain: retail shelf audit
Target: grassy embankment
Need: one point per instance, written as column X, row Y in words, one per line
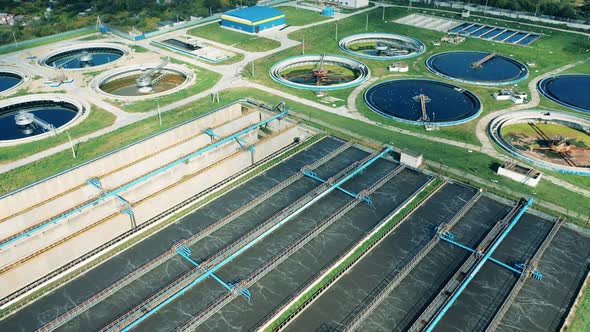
column 473, row 164
column 250, row 43
column 550, row 52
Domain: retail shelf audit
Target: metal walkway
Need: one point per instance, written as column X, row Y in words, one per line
column 275, row 261
column 528, row 272
column 152, row 264
column 354, row 320
column 432, row 315
column 135, row 182
column 217, row 261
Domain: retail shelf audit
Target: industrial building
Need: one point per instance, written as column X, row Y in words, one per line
column 349, row 3
column 253, row 19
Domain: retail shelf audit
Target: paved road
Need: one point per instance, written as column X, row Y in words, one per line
column 231, row 78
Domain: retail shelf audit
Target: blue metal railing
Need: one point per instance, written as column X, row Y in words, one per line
column 478, row 267
column 256, row 240
column 185, row 252
column 312, row 174
column 518, row 268
column 141, row 179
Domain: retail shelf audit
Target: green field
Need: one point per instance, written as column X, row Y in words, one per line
column 550, row 52
column 471, row 164
column 581, row 319
column 97, row 119
column 240, row 40
column 206, row 79
column 297, row 16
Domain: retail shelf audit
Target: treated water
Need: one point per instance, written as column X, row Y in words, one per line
column 104, row 275
column 70, row 59
column 398, row 99
column 54, row 114
column 8, row 80
column 457, row 65
column 387, row 258
column 568, row 90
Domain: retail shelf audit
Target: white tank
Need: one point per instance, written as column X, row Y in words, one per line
column 85, row 57
column 23, row 119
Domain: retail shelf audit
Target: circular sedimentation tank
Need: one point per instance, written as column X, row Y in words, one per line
column 141, row 81
column 402, row 100
column 570, row 90
column 34, row 117
column 472, row 67
column 84, row 56
column 320, row 72
column 382, row 46
column 554, row 140
column 10, row 78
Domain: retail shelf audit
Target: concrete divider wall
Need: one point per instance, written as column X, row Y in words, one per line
column 40, row 265
column 42, row 212
column 266, row 147
column 31, row 196
column 279, row 125
column 37, row 267
column 174, row 175
column 64, row 202
column 53, row 233
column 167, row 156
column 209, row 177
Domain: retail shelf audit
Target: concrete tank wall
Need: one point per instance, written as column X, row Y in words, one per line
column 50, row 260
column 74, row 178
column 53, row 233
column 106, row 230
column 56, row 232
column 76, row 197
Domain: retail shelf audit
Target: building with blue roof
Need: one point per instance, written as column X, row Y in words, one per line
column 253, row 19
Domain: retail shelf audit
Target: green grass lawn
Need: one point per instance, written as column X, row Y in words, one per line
column 297, row 16
column 474, row 163
column 97, row 119
column 206, row 79
column 139, row 49
column 581, row 319
column 240, row 40
column 550, row 52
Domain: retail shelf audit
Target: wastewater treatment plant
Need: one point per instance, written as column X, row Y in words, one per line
column 297, row 167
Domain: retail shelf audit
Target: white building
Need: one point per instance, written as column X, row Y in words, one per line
column 515, row 97
column 520, row 173
column 398, row 67
column 349, row 3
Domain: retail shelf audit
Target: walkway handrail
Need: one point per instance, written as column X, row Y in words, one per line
column 330, row 187
column 493, row 325
column 286, row 253
column 353, row 321
column 487, row 247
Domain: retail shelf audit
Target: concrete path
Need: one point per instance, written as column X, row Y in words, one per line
column 231, row 78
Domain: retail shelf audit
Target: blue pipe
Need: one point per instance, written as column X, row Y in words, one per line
column 185, row 252
column 471, row 275
column 492, row 259
column 254, row 241
column 141, row 179
column 313, row 175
